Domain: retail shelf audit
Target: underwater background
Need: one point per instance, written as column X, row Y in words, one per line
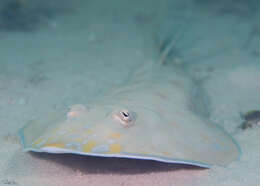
column 55, row 53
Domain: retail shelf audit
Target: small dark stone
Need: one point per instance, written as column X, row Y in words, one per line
column 251, row 119
column 252, row 115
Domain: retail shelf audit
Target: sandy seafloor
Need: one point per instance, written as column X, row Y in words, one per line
column 94, row 46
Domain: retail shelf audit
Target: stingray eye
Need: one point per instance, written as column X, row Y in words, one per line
column 125, row 117
column 125, row 114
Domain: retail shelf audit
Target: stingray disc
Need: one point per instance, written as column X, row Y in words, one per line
column 148, row 119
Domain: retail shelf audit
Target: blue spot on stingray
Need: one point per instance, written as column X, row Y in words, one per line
column 111, row 141
column 100, row 149
column 85, row 141
column 74, row 145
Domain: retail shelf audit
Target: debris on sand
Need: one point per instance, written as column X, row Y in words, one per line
column 251, row 119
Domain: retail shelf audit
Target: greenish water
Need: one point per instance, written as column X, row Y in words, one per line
column 54, row 54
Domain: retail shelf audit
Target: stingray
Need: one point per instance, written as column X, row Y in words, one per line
column 149, row 118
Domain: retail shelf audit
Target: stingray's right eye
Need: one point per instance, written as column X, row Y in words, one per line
column 125, row 117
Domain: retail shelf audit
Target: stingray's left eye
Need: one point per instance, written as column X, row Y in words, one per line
column 125, row 117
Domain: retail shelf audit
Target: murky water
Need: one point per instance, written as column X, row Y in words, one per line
column 54, row 54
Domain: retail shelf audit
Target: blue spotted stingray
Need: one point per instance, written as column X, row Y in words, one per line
column 149, row 117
